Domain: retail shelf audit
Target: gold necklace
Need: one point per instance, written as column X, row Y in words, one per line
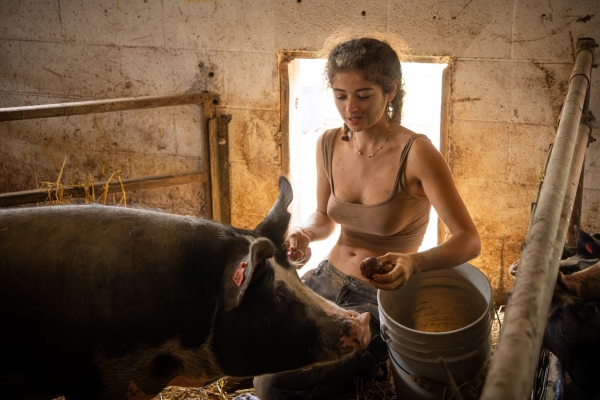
column 375, row 152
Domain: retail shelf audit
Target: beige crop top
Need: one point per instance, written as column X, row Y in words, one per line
column 397, row 224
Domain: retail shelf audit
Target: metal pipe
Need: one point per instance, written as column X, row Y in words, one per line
column 101, row 106
column 578, row 203
column 512, row 367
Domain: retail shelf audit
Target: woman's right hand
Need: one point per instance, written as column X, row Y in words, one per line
column 297, row 246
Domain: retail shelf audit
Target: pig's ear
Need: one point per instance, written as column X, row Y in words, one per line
column 238, row 279
column 277, row 220
column 586, row 243
column 568, row 284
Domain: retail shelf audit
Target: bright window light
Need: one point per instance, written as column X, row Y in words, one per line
column 312, row 111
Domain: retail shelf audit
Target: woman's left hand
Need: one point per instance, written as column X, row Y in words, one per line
column 404, row 267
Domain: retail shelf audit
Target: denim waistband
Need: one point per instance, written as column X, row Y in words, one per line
column 342, row 279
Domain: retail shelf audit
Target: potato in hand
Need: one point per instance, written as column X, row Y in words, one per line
column 371, row 265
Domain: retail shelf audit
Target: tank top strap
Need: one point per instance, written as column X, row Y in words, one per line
column 404, row 157
column 327, row 143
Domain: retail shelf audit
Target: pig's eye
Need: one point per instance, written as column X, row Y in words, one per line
column 281, row 295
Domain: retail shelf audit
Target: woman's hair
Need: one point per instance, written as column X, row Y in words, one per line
column 377, row 60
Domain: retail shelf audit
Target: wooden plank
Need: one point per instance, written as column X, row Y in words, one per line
column 225, row 187
column 149, row 182
column 215, row 171
column 102, row 106
column 284, row 111
column 219, row 166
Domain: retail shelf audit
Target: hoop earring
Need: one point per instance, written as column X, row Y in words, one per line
column 345, row 136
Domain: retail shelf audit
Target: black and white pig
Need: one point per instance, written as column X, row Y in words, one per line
column 573, row 259
column 585, row 254
column 101, row 302
column 573, row 329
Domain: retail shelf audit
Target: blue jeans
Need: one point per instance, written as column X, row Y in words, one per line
column 337, row 378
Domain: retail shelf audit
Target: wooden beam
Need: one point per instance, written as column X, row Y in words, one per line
column 224, row 167
column 102, row 106
column 219, row 166
column 284, row 58
column 149, row 182
column 215, row 171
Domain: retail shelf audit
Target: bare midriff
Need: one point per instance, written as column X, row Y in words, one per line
column 346, row 257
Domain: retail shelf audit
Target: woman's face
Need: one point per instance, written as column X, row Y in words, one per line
column 361, row 103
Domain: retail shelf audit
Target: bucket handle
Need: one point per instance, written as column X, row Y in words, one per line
column 384, row 334
column 393, row 358
column 388, row 340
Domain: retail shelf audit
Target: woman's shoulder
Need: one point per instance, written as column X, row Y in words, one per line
column 422, row 149
column 408, row 140
column 424, row 157
column 327, row 137
column 330, row 133
column 412, row 135
column 418, row 146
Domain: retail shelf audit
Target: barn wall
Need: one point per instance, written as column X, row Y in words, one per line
column 512, row 61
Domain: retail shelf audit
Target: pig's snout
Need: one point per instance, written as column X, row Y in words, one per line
column 356, row 333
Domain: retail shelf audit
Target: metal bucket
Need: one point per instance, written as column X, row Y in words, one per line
column 446, row 313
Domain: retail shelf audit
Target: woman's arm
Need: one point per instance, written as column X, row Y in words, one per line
column 428, row 174
column 318, row 226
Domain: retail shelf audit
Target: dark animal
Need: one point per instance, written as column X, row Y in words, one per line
column 585, row 254
column 573, row 329
column 573, row 259
column 111, row 303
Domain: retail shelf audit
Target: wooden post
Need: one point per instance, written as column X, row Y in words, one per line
column 215, row 171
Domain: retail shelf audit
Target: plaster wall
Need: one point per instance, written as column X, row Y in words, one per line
column 511, row 64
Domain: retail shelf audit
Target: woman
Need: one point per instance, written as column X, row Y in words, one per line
column 377, row 180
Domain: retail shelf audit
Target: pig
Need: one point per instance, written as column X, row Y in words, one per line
column 588, row 244
column 573, row 259
column 584, row 284
column 573, row 328
column 585, row 254
column 571, row 334
column 100, row 302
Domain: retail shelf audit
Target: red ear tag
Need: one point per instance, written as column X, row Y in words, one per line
column 588, row 247
column 238, row 276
